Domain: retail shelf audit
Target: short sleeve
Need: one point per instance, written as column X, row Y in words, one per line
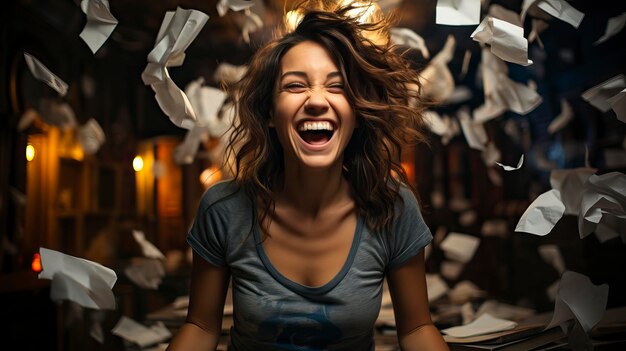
column 207, row 235
column 410, row 233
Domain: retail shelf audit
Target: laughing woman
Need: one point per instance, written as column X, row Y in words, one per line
column 319, row 212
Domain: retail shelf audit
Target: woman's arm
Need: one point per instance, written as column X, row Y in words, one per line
column 407, row 285
column 203, row 327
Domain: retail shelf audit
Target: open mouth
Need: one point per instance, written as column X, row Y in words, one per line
column 316, row 133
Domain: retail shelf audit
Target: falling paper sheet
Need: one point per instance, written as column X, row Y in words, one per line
column 569, row 183
column 599, row 95
column 460, row 247
column 235, row 5
column 618, row 104
column 185, row 152
column 541, row 216
column 445, row 126
column 475, row 133
column 225, row 72
column 100, row 23
column 207, row 102
column 509, row 168
column 87, row 283
column 451, row 269
column 147, row 248
column 579, row 298
column 437, row 81
column 465, row 291
column 437, row 287
column 613, row 26
column 557, row 8
column 406, row 36
column 42, row 73
column 139, row 334
column 491, row 154
column 177, row 32
column 458, row 12
column 505, row 14
column 501, row 93
column 91, row 136
column 603, row 196
column 251, row 23
column 505, row 39
column 484, row 324
column 147, row 273
column 560, row 121
column 57, row 113
column 552, row 255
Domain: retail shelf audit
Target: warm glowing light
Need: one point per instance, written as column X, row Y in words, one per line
column 210, row 176
column 30, row 152
column 36, row 264
column 138, row 163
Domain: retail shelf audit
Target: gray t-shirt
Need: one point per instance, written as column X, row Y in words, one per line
column 272, row 312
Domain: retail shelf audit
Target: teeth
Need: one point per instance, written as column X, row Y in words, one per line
column 309, row 125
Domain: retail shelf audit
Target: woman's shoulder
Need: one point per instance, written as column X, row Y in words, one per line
column 225, row 193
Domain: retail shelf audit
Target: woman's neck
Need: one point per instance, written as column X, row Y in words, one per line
column 311, row 191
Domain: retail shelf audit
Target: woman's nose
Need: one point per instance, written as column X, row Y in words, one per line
column 316, row 102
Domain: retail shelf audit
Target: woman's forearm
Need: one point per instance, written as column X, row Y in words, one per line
column 191, row 337
column 426, row 337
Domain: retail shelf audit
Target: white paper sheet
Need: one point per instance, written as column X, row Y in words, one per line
column 57, row 113
column 603, row 195
column 185, row 152
column 91, row 136
column 557, row 8
column 445, row 126
column 510, row 168
column 502, row 13
column 458, row 12
column 177, row 31
column 579, row 298
column 87, row 283
column 552, row 255
column 503, row 310
column 505, row 39
column 563, row 119
column 147, row 248
column 146, row 273
column 482, row 325
column 437, row 81
column 465, row 291
column 502, row 93
column 599, row 95
column 451, row 269
column 225, row 72
column 613, row 26
column 618, row 104
column 460, row 247
column 139, row 334
column 475, row 133
column 541, row 216
column 562, row 10
column 43, row 74
column 249, row 23
column 100, row 23
column 436, row 286
column 234, row 5
column 406, row 36
column 569, row 183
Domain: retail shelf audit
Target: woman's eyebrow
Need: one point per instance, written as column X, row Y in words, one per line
column 304, row 75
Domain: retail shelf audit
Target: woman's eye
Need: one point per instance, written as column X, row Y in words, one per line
column 295, row 87
column 335, row 88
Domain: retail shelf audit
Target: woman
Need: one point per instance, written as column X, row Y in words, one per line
column 318, row 213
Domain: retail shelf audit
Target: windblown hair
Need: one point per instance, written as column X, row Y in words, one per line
column 382, row 89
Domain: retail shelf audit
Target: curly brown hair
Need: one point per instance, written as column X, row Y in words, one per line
column 383, row 90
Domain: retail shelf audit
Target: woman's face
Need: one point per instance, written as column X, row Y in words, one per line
column 313, row 119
